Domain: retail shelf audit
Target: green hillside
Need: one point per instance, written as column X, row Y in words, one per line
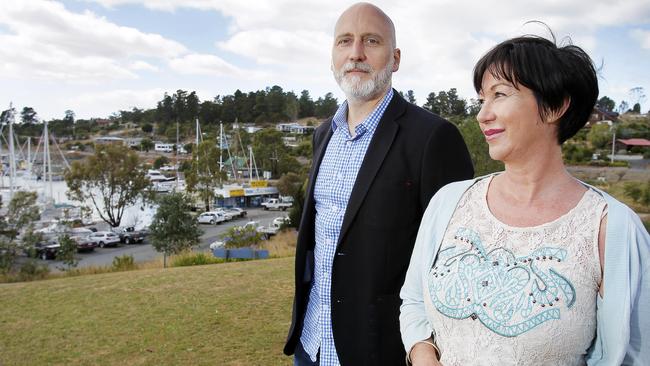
column 224, row 314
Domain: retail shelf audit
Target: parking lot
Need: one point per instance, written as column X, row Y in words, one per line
column 145, row 252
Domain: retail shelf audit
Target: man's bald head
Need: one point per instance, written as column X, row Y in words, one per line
column 363, row 10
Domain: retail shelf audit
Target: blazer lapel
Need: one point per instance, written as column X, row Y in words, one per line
column 319, row 152
column 377, row 150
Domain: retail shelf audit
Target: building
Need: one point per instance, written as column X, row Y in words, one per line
column 108, row 140
column 628, row 144
column 163, row 147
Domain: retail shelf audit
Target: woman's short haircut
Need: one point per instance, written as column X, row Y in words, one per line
column 554, row 74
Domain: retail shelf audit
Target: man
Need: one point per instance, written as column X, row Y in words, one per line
column 376, row 165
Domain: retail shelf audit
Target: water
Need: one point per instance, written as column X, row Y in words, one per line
column 134, row 215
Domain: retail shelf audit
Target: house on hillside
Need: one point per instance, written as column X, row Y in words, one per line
column 629, row 144
column 108, row 140
column 600, row 116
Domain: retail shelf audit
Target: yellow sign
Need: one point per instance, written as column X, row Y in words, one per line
column 236, row 192
column 259, row 184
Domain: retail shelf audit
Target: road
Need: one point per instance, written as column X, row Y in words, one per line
column 145, row 252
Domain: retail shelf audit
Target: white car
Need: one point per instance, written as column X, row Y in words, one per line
column 211, row 218
column 105, row 238
column 216, row 244
column 279, row 221
column 237, row 212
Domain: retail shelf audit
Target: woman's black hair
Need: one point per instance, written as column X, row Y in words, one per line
column 554, row 74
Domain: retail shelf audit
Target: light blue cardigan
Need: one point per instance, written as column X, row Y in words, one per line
column 623, row 315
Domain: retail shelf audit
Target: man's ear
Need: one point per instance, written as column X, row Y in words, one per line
column 397, row 56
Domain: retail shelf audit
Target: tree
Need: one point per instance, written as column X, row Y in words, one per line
column 292, row 184
column 69, row 116
column 269, row 149
column 21, row 215
column 146, row 145
column 478, row 147
column 173, row 229
column 147, row 128
column 431, row 104
column 305, row 105
column 410, row 97
column 599, row 135
column 326, row 107
column 606, row 104
column 204, row 175
column 28, row 115
column 111, row 180
column 67, row 251
column 623, row 107
column 160, row 161
column 446, row 104
column 636, row 108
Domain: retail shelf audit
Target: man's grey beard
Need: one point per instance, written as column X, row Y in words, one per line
column 356, row 89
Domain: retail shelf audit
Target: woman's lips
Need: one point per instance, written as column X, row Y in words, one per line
column 492, row 133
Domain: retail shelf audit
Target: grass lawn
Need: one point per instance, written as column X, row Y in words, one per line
column 223, row 314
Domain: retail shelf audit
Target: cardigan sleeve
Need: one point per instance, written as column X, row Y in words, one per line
column 414, row 325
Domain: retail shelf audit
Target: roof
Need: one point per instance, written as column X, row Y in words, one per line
column 635, row 142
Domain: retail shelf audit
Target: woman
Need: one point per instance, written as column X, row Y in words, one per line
column 529, row 266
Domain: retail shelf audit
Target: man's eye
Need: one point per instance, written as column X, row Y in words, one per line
column 372, row 41
column 343, row 41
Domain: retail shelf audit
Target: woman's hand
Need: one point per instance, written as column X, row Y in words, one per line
column 423, row 354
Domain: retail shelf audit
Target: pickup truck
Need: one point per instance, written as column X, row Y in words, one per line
column 276, row 204
column 129, row 235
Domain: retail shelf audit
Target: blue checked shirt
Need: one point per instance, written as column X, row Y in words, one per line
column 334, row 183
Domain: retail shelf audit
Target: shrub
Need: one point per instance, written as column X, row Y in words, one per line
column 241, row 236
column 31, row 270
column 160, row 161
column 123, row 263
column 194, row 259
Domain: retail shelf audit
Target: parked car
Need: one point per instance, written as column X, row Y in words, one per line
column 216, row 244
column 47, row 250
column 105, row 238
column 282, row 220
column 129, row 235
column 238, row 212
column 266, row 231
column 276, row 204
column 84, row 243
column 211, row 218
column 223, row 212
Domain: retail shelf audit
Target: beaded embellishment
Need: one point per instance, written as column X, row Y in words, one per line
column 509, row 294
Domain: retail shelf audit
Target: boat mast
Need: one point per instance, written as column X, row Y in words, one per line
column 12, row 153
column 47, row 162
column 220, row 146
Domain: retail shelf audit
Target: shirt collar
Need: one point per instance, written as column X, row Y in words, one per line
column 340, row 118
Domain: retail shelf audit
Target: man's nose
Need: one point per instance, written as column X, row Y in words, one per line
column 358, row 52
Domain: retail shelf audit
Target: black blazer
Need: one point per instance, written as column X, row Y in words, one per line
column 412, row 154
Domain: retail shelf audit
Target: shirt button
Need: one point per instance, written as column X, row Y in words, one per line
column 339, row 176
column 335, row 208
column 348, row 143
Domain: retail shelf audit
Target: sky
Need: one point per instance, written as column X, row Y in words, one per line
column 96, row 57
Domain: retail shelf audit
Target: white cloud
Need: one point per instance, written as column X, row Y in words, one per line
column 202, row 64
column 642, row 36
column 44, row 39
column 104, row 103
column 279, row 47
column 144, row 66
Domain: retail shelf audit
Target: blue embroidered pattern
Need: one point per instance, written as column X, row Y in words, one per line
column 509, row 294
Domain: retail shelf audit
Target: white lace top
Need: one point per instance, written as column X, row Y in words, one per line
column 503, row 295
